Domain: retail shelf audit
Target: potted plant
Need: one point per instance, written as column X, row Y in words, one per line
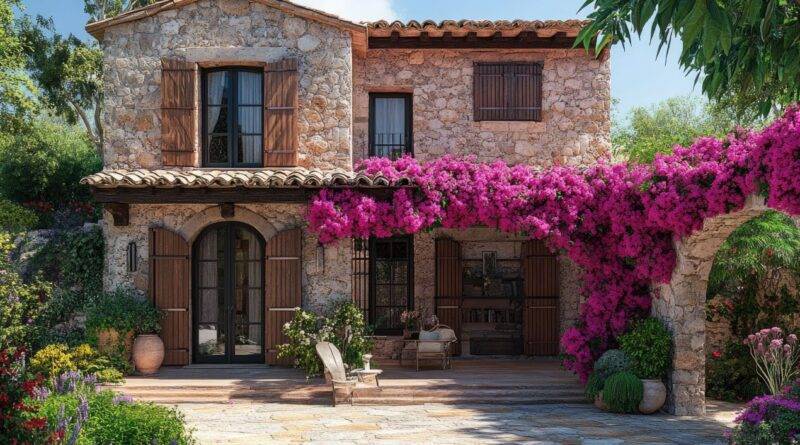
column 410, row 320
column 648, row 345
column 611, row 362
column 148, row 348
column 110, row 321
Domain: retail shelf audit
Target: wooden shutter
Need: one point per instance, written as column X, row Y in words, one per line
column 178, row 110
column 540, row 313
column 360, row 278
column 280, row 113
column 448, row 286
column 169, row 290
column 507, row 92
column 283, row 281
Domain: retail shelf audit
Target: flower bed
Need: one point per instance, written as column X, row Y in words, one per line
column 617, row 222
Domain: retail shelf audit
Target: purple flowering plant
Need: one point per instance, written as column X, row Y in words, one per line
column 772, row 418
column 776, row 357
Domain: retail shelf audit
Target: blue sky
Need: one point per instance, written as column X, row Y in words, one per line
column 637, row 78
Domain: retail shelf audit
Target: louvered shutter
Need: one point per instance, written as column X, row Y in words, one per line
column 540, row 313
column 283, row 281
column 507, row 91
column 280, row 113
column 178, row 112
column 169, row 290
column 448, row 286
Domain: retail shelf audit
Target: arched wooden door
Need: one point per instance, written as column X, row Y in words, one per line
column 228, row 325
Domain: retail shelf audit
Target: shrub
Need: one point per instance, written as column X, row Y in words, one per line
column 770, row 419
column 594, row 385
column 345, row 328
column 74, row 259
column 15, row 218
column 611, row 362
column 57, row 359
column 648, row 346
column 17, row 423
column 731, row 375
column 114, row 419
column 123, row 310
column 623, row 392
column 776, row 357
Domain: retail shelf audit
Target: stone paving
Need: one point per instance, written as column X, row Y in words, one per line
column 276, row 423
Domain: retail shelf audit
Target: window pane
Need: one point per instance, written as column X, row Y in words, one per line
column 383, row 271
column 399, row 296
column 389, row 135
column 210, row 339
column 217, row 120
column 217, row 88
column 249, row 120
column 400, row 250
column 383, row 249
column 382, row 295
column 400, row 272
column 249, row 88
column 218, row 149
column 249, row 149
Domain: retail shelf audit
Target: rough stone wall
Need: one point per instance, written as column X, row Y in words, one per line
column 681, row 304
column 575, row 128
column 225, row 32
column 323, row 282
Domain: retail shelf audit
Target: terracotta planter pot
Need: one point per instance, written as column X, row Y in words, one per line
column 599, row 403
column 654, row 396
column 148, row 353
column 109, row 340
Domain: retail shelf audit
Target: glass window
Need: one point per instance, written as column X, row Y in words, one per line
column 390, row 132
column 233, row 118
column 390, row 281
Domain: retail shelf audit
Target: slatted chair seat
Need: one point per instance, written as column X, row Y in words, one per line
column 334, row 365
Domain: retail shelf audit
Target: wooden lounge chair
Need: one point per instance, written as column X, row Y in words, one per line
column 334, row 366
column 434, row 345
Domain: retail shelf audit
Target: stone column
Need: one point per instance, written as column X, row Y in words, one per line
column 681, row 304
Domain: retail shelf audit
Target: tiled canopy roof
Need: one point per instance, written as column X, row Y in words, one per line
column 545, row 28
column 255, row 178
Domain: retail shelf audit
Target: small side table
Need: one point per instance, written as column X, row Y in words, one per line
column 365, row 374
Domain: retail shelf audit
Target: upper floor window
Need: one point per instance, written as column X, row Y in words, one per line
column 507, row 92
column 390, row 129
column 233, row 107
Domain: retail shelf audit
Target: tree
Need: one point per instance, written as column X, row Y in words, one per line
column 68, row 73
column 745, row 50
column 17, row 102
column 674, row 121
column 103, row 9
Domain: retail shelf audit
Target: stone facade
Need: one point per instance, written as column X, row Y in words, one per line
column 682, row 305
column 225, row 32
column 576, row 102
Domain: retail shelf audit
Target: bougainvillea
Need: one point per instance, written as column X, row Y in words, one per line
column 616, row 221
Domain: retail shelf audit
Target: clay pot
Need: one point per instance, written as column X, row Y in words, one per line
column 109, row 340
column 148, row 353
column 654, row 396
column 599, row 403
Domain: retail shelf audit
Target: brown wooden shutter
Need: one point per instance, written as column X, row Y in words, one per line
column 540, row 317
column 360, row 277
column 507, row 91
column 169, row 290
column 280, row 113
column 448, row 286
column 178, row 107
column 283, row 281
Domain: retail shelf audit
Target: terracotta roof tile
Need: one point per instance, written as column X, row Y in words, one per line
column 254, row 178
column 464, row 26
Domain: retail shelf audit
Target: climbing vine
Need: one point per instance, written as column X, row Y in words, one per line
column 616, row 221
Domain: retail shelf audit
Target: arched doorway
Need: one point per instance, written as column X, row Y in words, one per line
column 228, row 295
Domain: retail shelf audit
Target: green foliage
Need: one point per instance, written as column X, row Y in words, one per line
column 20, row 302
column 17, row 104
column 73, row 259
column 648, row 345
column 674, row 121
column 611, row 362
column 103, row 9
column 114, row 421
column 56, row 359
column 731, row 374
column 345, row 327
column 123, row 310
column 45, row 164
column 746, row 49
column 623, row 392
column 594, row 385
column 15, row 219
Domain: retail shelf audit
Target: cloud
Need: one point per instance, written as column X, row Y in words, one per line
column 355, row 10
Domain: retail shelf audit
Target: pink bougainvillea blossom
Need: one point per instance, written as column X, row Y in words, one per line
column 617, row 222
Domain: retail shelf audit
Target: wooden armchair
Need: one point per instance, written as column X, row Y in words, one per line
column 434, row 345
column 334, row 365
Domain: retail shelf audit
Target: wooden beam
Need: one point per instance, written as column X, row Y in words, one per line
column 471, row 40
column 120, row 212
column 218, row 195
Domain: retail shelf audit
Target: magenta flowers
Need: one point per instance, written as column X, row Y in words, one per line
column 617, row 222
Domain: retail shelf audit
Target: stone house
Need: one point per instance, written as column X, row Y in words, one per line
column 224, row 117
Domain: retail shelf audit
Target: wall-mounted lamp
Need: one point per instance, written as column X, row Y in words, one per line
column 133, row 257
column 321, row 257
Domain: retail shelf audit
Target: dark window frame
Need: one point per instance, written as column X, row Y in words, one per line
column 373, row 257
column 409, row 122
column 229, row 288
column 507, row 110
column 233, row 116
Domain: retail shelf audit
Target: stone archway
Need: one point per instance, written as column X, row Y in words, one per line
column 681, row 304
